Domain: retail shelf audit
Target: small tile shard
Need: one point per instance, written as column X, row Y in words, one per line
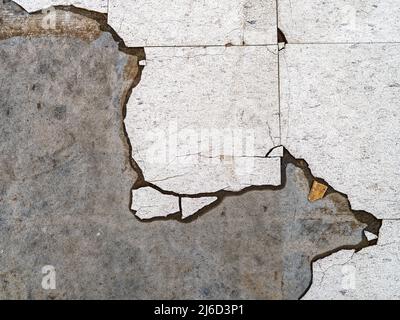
column 190, row 206
column 317, row 192
column 149, row 203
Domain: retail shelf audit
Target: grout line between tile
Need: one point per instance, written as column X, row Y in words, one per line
column 279, row 76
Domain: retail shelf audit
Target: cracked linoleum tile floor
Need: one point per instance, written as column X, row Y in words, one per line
column 229, row 150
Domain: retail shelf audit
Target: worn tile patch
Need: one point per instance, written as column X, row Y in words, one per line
column 203, row 119
column 194, row 23
column 340, row 110
column 316, row 21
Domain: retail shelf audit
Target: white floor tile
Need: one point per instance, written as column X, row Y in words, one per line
column 191, row 206
column 192, row 23
column 150, row 203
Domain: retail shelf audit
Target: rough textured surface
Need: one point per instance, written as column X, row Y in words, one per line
column 194, row 23
column 372, row 273
column 340, row 110
column 203, row 119
column 66, row 182
column 316, row 21
column 35, row 5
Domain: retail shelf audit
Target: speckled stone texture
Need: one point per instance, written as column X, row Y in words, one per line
column 35, row 5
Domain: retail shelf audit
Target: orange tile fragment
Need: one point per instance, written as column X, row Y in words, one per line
column 317, row 192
